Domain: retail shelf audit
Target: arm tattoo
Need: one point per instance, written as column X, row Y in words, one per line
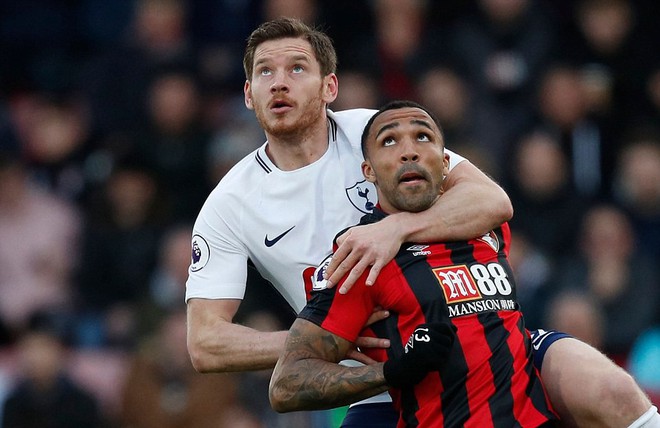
column 308, row 376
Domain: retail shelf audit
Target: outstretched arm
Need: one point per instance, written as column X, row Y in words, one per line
column 308, row 377
column 471, row 205
column 216, row 344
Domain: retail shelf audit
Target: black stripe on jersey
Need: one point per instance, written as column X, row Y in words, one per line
column 262, row 164
column 333, row 128
column 460, row 253
column 501, row 403
column 419, row 275
column 318, row 306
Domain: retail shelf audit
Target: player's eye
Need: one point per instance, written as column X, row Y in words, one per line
column 298, row 69
column 388, row 141
column 265, row 72
column 423, row 136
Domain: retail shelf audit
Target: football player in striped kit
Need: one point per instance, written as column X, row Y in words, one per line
column 460, row 353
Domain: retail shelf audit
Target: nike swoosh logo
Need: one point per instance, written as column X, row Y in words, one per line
column 271, row 242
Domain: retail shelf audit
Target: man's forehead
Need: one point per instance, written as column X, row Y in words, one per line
column 402, row 115
column 285, row 46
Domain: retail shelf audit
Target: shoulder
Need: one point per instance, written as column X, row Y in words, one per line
column 247, row 172
column 233, row 189
column 351, row 119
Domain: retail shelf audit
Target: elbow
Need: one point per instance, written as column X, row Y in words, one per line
column 198, row 358
column 203, row 361
column 279, row 400
column 277, row 403
column 503, row 209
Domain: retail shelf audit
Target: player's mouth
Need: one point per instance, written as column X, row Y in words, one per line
column 280, row 106
column 411, row 177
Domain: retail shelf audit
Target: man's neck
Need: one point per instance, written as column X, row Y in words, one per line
column 291, row 152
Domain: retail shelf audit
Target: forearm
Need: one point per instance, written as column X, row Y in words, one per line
column 466, row 210
column 238, row 348
column 313, row 384
column 308, row 376
column 216, row 344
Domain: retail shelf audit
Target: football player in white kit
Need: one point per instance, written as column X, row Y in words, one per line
column 282, row 205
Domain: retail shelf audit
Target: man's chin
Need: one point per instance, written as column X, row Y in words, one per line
column 416, row 202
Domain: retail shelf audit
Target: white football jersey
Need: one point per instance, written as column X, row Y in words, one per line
column 284, row 221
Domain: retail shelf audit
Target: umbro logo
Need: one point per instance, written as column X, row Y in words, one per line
column 419, row 250
column 271, row 242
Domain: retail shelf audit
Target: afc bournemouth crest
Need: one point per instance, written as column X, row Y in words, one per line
column 491, row 240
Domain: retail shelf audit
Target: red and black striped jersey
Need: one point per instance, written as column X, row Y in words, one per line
column 489, row 379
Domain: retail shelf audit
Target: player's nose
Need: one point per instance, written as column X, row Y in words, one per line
column 409, row 151
column 280, row 83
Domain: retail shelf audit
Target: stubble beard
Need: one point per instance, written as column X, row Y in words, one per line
column 290, row 127
column 411, row 200
column 414, row 201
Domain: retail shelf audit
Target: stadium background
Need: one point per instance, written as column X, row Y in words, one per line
column 118, row 117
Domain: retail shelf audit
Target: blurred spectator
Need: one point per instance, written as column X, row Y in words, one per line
column 578, row 314
column 45, row 395
column 448, row 96
column 38, row 249
column 610, row 54
column 115, row 83
column 237, row 134
column 564, row 110
column 54, row 137
column 358, row 90
column 621, row 279
column 163, row 390
column 120, row 247
column 305, row 10
column 547, row 210
column 168, row 280
column 637, row 188
column 391, row 52
column 219, row 29
column 501, row 49
column 533, row 272
column 173, row 143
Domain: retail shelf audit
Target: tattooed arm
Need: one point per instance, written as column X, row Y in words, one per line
column 307, row 376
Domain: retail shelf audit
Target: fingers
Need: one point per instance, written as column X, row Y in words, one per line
column 343, row 268
column 353, row 276
column 374, row 272
column 371, row 342
column 361, row 248
column 338, row 266
column 356, row 355
column 377, row 315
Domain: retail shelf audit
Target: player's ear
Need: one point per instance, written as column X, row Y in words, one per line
column 330, row 88
column 445, row 166
column 368, row 172
column 247, row 91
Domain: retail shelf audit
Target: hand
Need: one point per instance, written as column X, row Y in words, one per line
column 427, row 350
column 364, row 342
column 363, row 246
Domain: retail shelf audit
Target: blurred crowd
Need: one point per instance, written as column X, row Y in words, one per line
column 118, row 117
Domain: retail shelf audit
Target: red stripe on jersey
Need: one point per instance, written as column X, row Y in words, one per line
column 427, row 392
column 479, row 383
column 523, row 407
